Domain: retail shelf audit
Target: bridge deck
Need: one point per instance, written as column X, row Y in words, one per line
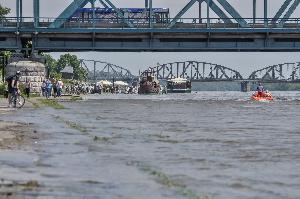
column 188, row 36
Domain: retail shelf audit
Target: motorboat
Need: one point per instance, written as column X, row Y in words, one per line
column 264, row 96
column 121, row 87
column 148, row 84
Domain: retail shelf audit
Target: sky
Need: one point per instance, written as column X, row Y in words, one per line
column 244, row 62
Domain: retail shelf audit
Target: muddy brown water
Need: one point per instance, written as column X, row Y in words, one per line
column 203, row 145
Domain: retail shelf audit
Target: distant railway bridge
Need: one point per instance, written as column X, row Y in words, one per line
column 208, row 72
column 196, row 71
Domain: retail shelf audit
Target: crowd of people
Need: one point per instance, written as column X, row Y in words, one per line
column 52, row 87
column 85, row 88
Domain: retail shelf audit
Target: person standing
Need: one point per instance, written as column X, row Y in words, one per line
column 54, row 85
column 49, row 89
column 44, row 88
column 59, row 87
column 27, row 88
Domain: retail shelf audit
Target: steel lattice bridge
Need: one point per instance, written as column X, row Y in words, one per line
column 149, row 31
column 99, row 70
column 195, row 71
column 287, row 72
column 208, row 72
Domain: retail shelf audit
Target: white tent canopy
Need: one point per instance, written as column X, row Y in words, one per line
column 105, row 83
column 121, row 83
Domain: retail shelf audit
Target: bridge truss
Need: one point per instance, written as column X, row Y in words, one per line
column 195, row 71
column 99, row 70
column 228, row 32
column 287, row 72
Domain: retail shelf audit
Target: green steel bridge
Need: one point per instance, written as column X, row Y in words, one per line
column 229, row 31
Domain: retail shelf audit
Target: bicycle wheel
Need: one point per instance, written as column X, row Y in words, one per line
column 20, row 101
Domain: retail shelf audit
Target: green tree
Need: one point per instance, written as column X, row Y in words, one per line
column 3, row 54
column 80, row 73
column 51, row 65
column 4, row 57
column 3, row 11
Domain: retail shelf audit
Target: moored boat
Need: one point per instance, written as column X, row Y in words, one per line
column 179, row 85
column 149, row 84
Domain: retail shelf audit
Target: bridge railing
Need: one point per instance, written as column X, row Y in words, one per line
column 142, row 23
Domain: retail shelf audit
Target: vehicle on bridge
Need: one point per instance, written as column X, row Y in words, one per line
column 109, row 15
column 179, row 85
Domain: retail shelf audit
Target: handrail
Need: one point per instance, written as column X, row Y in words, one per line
column 143, row 23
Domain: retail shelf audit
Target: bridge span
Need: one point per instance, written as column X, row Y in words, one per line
column 208, row 72
column 101, row 70
column 124, row 31
column 196, row 71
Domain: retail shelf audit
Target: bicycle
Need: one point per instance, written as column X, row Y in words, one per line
column 17, row 100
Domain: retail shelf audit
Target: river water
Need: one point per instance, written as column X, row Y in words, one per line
column 217, row 145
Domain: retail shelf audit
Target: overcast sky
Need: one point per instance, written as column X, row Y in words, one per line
column 243, row 62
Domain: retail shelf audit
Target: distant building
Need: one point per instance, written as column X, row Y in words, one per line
column 68, row 72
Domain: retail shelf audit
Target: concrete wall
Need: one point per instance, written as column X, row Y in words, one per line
column 30, row 70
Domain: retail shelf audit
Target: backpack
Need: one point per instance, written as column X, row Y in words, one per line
column 9, row 79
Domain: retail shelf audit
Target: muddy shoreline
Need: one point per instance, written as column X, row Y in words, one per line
column 18, row 136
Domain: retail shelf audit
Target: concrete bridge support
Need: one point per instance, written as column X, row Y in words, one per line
column 245, row 86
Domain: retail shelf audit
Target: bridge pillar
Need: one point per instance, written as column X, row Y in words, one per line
column 245, row 86
column 200, row 11
column 18, row 12
column 254, row 11
column 266, row 13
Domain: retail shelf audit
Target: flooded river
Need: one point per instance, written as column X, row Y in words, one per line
column 215, row 145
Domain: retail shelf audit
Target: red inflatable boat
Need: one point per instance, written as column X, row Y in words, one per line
column 265, row 96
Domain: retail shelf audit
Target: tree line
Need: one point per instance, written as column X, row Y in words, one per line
column 56, row 66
